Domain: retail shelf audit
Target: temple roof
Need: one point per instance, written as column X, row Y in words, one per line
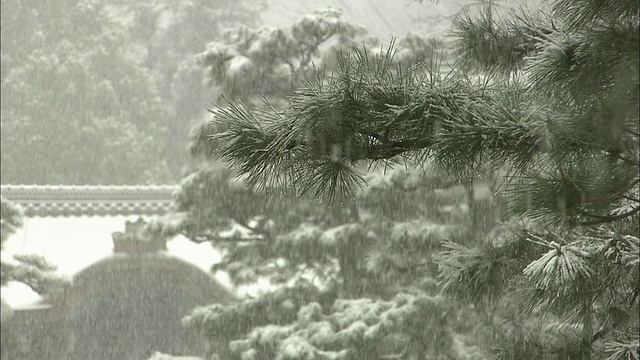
column 91, row 200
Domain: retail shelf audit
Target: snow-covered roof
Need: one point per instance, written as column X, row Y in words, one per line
column 91, row 200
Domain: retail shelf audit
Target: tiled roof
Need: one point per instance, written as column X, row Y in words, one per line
column 73, row 200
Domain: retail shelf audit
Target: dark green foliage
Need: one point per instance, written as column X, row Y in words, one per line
column 357, row 253
column 278, row 307
column 587, row 175
column 300, row 323
column 362, row 248
column 487, row 43
column 104, row 92
column 555, row 107
column 583, row 14
column 270, row 62
column 213, row 198
column 70, row 102
column 35, row 272
column 32, row 270
column 170, row 34
column 10, row 219
column 336, row 124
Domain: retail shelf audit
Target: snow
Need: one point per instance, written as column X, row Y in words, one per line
column 70, row 243
column 238, row 65
column 17, row 294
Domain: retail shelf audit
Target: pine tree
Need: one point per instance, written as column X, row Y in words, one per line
column 556, row 105
column 375, row 262
column 33, row 270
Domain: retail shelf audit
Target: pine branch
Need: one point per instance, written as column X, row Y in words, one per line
column 580, row 68
column 620, row 350
column 479, row 275
column 256, row 235
column 608, row 219
column 370, row 111
column 485, row 43
column 580, row 14
column 390, row 150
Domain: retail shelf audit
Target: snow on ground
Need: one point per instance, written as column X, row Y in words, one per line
column 74, row 243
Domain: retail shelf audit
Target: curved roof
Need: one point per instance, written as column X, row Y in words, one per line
column 91, row 200
column 158, row 265
column 127, row 306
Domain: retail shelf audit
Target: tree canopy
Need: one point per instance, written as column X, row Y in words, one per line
column 318, row 258
column 71, row 103
column 90, row 87
column 553, row 101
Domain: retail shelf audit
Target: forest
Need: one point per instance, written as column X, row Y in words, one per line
column 469, row 190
